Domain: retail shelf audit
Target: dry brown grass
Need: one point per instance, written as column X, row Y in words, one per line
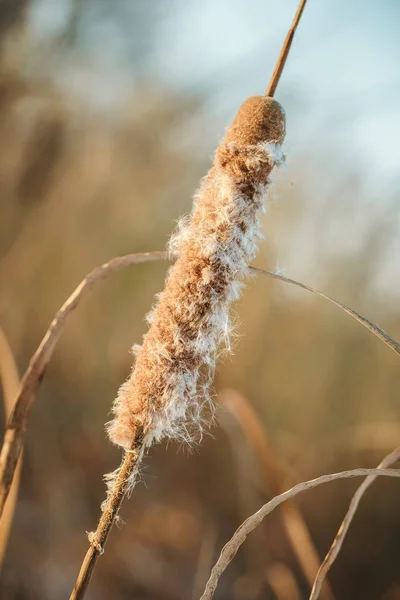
column 10, row 383
column 18, row 419
column 275, row 482
column 44, row 183
column 231, row 548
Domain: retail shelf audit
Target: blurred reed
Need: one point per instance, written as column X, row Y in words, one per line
column 10, row 384
column 85, row 203
column 274, row 480
column 282, row 582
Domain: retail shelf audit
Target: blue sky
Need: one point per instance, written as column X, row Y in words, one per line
column 341, row 82
column 342, row 74
column 340, row 89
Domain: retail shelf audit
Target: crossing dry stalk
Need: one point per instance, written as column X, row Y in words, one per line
column 336, row 546
column 274, row 481
column 231, row 548
column 30, row 383
column 37, row 367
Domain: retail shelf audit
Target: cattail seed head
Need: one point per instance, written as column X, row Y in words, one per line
column 259, row 119
column 170, row 382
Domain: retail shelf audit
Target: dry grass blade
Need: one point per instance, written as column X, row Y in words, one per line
column 293, row 522
column 285, row 51
column 99, row 537
column 16, row 425
column 230, row 549
column 382, row 335
column 10, row 382
column 31, row 381
column 334, row 550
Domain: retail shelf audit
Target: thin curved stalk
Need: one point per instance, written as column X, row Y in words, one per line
column 293, row 522
column 17, row 422
column 334, row 550
column 230, row 549
column 382, row 335
column 33, row 377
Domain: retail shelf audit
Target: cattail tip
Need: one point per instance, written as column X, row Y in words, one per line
column 259, row 119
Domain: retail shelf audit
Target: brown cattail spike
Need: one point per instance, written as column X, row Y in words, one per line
column 171, row 380
column 259, row 119
column 170, row 383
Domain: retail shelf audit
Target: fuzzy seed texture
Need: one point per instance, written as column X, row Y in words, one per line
column 169, row 388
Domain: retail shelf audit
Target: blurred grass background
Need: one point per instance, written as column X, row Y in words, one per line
column 109, row 112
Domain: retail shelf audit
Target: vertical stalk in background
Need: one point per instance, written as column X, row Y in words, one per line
column 205, row 558
column 295, row 527
column 282, row 582
column 10, row 383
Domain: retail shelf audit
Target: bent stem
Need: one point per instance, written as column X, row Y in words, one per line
column 231, row 548
column 382, row 335
column 18, row 420
column 114, row 500
column 337, row 543
column 293, row 522
column 17, row 423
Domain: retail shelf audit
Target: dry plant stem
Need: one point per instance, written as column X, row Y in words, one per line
column 230, row 549
column 285, row 51
column 293, row 522
column 37, row 366
column 110, row 512
column 334, row 550
column 17, row 423
column 382, row 335
column 36, row 370
column 10, row 382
